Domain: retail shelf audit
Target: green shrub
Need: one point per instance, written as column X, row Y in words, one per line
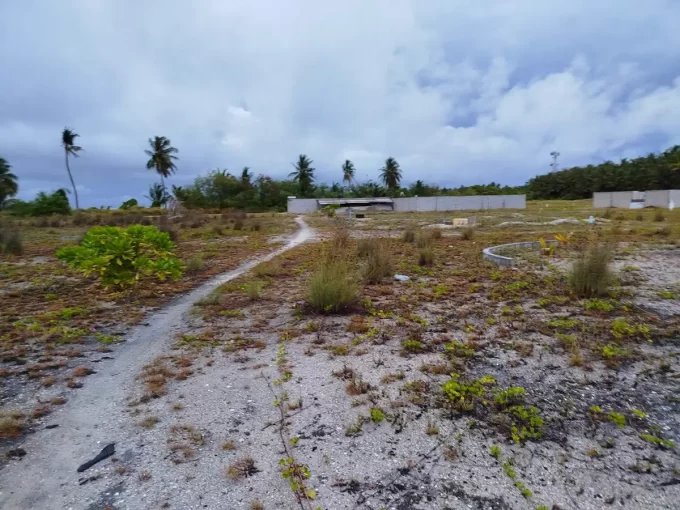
column 426, row 257
column 408, row 236
column 377, row 263
column 122, row 256
column 11, row 244
column 332, row 288
column 590, row 275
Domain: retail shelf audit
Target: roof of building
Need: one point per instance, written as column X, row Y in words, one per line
column 355, row 201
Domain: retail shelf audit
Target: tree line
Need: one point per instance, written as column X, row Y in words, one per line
column 221, row 189
column 654, row 171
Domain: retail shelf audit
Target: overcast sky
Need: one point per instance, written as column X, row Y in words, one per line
column 460, row 92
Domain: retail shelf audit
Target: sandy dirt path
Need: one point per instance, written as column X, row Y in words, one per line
column 46, row 478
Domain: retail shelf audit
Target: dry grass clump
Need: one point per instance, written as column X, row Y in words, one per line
column 658, row 216
column 340, row 240
column 156, row 375
column 253, row 289
column 332, row 287
column 11, row 243
column 467, row 234
column 424, row 239
column 268, row 268
column 590, row 275
column 408, row 236
column 194, row 265
column 376, row 263
column 426, row 256
column 10, row 424
column 242, row 468
column 436, row 233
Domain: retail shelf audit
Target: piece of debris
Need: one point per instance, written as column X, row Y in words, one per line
column 83, row 481
column 401, row 277
column 53, row 426
column 108, row 450
column 16, row 453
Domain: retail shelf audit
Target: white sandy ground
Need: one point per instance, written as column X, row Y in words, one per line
column 46, row 477
column 394, row 465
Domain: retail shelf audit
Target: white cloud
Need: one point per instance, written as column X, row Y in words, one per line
column 457, row 92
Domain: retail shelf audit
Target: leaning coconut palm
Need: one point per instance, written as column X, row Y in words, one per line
column 8, row 182
column 157, row 195
column 348, row 172
column 303, row 174
column 68, row 140
column 162, row 158
column 391, row 174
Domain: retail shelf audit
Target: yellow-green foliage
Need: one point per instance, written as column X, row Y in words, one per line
column 121, row 256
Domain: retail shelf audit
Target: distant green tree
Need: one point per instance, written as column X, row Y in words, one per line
column 161, row 158
column 68, row 141
column 303, row 174
column 9, row 186
column 129, row 204
column 390, row 174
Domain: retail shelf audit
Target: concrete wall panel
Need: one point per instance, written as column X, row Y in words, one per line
column 675, row 197
column 622, row 199
column 657, row 198
column 603, row 199
column 302, row 205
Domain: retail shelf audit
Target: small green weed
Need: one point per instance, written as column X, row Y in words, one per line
column 377, row 415
column 617, row 418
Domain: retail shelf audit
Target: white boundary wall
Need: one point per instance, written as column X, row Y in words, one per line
column 622, row 199
column 415, row 204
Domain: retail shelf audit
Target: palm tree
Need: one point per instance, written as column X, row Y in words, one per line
column 348, row 171
column 68, row 140
column 303, row 174
column 8, row 182
column 162, row 158
column 246, row 177
column 157, row 195
column 391, row 174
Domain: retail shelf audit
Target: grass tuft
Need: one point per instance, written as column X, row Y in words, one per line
column 332, row 288
column 377, row 263
column 467, row 234
column 590, row 275
column 426, row 257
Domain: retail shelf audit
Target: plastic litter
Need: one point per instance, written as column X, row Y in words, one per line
column 401, row 277
column 591, row 220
